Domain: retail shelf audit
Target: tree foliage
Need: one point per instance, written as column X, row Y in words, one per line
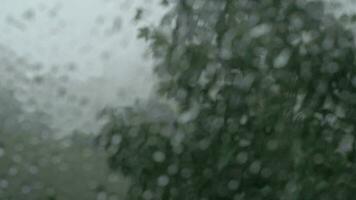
column 264, row 95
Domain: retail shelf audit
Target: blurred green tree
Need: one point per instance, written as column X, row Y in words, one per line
column 263, row 105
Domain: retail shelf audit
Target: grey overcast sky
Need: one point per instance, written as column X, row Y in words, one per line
column 58, row 32
column 97, row 36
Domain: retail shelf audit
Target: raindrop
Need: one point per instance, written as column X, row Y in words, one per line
column 101, row 196
column 243, row 119
column 2, row 152
column 117, row 23
column 272, row 145
column 244, row 143
column 159, row 156
column 353, row 81
column 266, row 172
column 29, row 14
column 186, row 173
column 282, row 59
column 116, row 139
column 242, row 157
column 13, row 171
column 3, row 183
column 260, row 30
column 255, row 167
column 172, row 169
column 147, row 195
column 346, row 144
column 26, row 189
column 163, row 180
column 233, row 185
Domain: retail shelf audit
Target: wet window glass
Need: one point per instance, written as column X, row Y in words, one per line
column 185, row 99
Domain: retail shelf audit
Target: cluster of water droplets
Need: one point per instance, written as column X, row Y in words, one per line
column 60, row 64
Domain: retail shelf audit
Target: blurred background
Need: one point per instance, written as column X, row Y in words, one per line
column 63, row 63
